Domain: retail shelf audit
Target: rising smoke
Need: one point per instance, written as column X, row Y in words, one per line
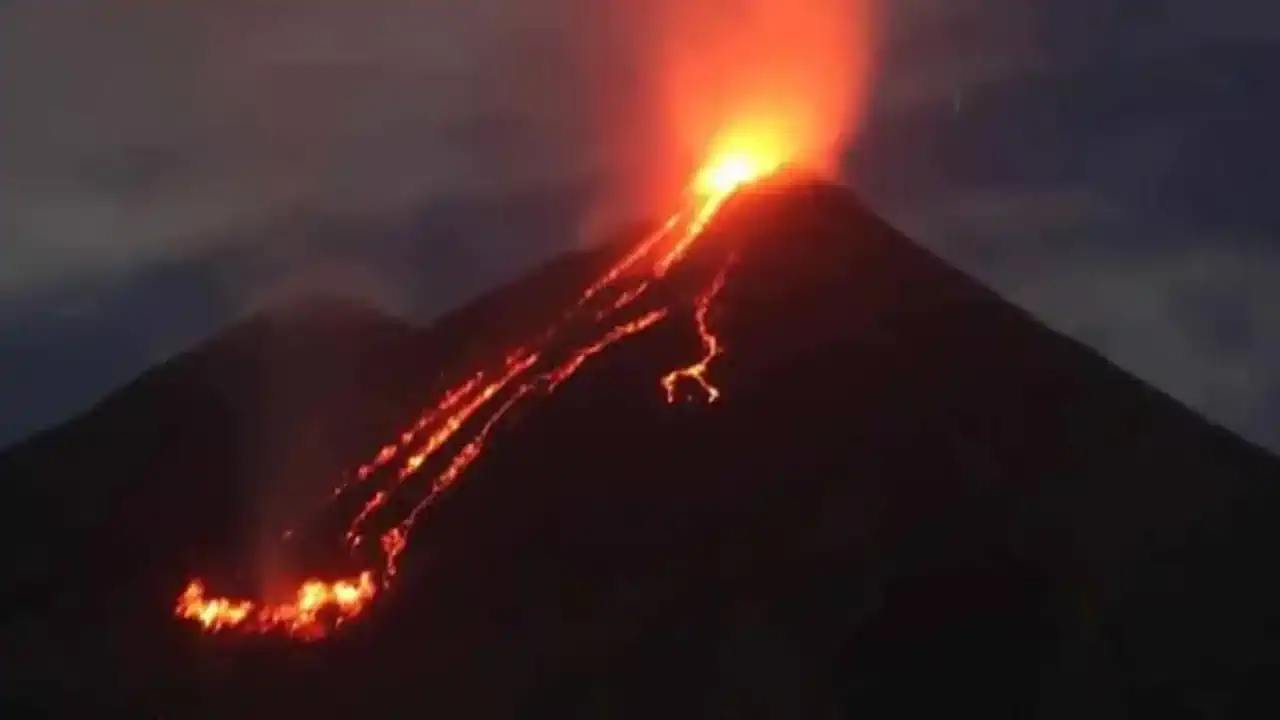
column 792, row 74
column 787, row 77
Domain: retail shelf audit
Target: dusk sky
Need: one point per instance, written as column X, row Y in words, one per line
column 166, row 165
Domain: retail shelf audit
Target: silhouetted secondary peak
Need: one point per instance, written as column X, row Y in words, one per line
column 327, row 310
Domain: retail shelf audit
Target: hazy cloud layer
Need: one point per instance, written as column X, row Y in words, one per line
column 1190, row 311
column 144, row 129
column 1106, row 163
column 1112, row 176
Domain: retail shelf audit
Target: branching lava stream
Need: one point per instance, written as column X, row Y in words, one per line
column 449, row 436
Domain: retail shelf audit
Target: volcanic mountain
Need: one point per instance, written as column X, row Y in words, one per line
column 871, row 488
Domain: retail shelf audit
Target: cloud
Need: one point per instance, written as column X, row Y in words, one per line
column 1187, row 309
column 144, row 129
column 140, row 130
column 1108, row 172
column 1193, row 321
column 934, row 47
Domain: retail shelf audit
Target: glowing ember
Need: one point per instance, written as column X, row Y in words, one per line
column 317, row 608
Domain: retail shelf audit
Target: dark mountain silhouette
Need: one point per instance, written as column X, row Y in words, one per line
column 912, row 499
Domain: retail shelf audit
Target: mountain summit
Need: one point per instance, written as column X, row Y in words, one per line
column 805, row 469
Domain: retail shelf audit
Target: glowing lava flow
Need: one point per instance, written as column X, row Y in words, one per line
column 517, row 364
column 317, row 607
column 450, row 436
column 711, row 345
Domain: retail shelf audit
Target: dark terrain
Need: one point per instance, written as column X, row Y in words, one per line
column 913, row 499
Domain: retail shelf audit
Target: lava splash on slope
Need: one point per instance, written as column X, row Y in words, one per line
column 407, row 476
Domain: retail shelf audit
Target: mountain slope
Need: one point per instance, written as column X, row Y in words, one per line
column 910, row 497
column 209, row 430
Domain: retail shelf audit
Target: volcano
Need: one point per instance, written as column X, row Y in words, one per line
column 803, row 469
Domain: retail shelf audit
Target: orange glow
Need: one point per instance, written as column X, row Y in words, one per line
column 747, row 90
column 738, row 157
column 725, row 174
column 317, row 608
column 760, row 82
column 711, row 345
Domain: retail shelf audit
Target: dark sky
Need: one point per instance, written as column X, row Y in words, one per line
column 166, row 164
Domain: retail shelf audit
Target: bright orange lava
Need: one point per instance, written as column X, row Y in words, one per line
column 711, row 346
column 317, row 607
column 450, row 436
column 743, row 159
